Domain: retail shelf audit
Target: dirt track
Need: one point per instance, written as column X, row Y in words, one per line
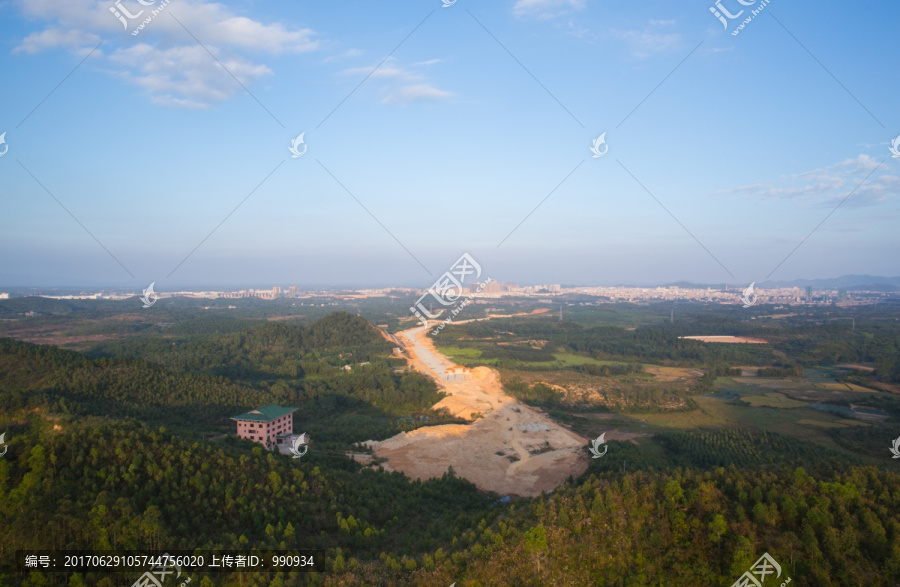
column 727, row 339
column 510, row 448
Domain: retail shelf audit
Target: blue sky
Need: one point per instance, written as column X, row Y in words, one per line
column 725, row 152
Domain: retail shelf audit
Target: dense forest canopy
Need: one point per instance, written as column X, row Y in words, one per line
column 129, row 445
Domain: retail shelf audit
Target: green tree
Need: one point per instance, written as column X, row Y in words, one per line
column 536, row 543
column 717, row 529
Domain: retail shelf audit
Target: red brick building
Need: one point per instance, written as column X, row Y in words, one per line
column 264, row 425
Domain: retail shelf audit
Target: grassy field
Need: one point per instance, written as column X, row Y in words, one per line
column 563, row 360
column 779, row 405
column 459, row 353
column 768, row 410
column 572, row 360
column 772, row 400
column 804, row 423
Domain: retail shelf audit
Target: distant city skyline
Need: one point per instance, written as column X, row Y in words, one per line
column 244, row 143
column 846, row 284
column 828, row 283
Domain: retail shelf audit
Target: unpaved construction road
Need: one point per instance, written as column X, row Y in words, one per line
column 510, row 448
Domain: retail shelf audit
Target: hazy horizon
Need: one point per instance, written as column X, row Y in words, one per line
column 351, row 286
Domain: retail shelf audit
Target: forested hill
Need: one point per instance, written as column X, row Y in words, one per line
column 272, row 349
column 198, row 384
column 340, row 329
column 685, row 527
column 84, row 483
column 68, row 383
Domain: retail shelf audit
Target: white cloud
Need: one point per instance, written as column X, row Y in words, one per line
column 73, row 40
column 166, row 100
column 414, row 93
column 862, row 163
column 387, row 70
column 544, row 9
column 185, row 75
column 397, row 84
column 93, row 15
column 349, row 53
column 165, row 59
column 643, row 43
column 828, row 186
column 249, row 34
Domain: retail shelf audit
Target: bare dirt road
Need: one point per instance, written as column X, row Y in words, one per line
column 727, row 339
column 510, row 448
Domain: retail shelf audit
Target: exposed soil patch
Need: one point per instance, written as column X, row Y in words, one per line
column 511, row 449
column 857, row 366
column 727, row 339
column 84, row 340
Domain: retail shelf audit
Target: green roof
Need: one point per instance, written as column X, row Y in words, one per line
column 265, row 413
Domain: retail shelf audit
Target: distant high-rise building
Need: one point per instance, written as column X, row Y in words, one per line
column 808, row 293
column 493, row 287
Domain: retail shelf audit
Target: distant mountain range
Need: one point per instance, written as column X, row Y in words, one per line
column 847, row 282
